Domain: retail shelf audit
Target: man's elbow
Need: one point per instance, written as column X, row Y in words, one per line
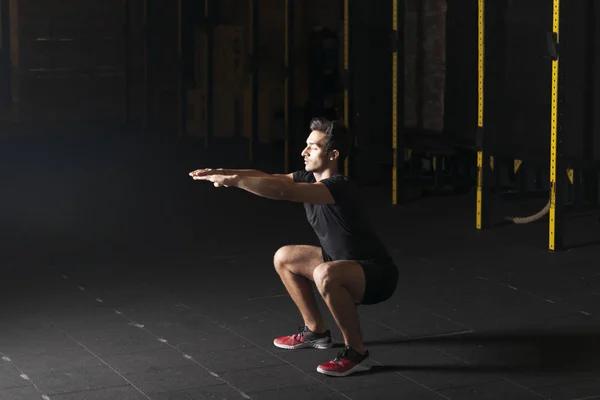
column 282, row 190
column 297, row 194
column 289, row 193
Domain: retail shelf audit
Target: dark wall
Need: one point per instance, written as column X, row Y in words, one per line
column 517, row 102
column 135, row 62
column 596, row 82
column 5, row 89
column 579, row 83
column 519, row 72
column 371, row 24
column 460, row 100
column 163, row 66
column 72, row 60
column 425, row 62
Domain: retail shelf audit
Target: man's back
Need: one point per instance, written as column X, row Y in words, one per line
column 342, row 228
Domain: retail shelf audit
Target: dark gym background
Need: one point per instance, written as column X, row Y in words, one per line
column 121, row 278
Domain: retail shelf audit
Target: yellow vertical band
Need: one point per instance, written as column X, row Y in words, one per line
column 554, row 132
column 395, row 108
column 481, row 65
column 346, row 66
column 286, row 90
column 481, row 60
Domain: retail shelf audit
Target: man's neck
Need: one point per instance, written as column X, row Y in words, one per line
column 327, row 173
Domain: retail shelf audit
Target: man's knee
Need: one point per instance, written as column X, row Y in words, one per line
column 324, row 277
column 349, row 275
column 282, row 257
column 297, row 259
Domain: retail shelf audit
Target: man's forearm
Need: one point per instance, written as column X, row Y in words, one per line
column 246, row 173
column 265, row 186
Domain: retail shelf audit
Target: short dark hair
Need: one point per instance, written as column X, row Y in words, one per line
column 336, row 133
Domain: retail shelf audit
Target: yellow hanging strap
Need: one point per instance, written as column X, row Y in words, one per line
column 481, row 65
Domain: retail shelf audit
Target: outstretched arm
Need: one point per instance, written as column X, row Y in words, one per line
column 275, row 188
column 239, row 172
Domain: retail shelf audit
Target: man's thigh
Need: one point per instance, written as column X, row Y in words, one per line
column 300, row 259
column 381, row 280
column 347, row 273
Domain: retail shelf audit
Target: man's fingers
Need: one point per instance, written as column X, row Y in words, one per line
column 204, row 178
column 199, row 171
column 208, row 171
column 215, row 179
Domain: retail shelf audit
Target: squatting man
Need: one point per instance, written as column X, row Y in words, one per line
column 350, row 268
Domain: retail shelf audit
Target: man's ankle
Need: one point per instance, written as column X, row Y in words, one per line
column 359, row 349
column 317, row 329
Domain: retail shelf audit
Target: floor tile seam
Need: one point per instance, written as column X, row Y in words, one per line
column 186, row 389
column 501, row 377
column 562, row 304
column 254, row 392
column 416, row 338
column 159, row 338
column 107, row 365
column 286, row 361
column 427, row 309
column 24, row 376
column 90, row 390
column 272, row 354
column 594, row 397
column 491, row 382
column 370, row 358
column 556, row 385
column 567, row 306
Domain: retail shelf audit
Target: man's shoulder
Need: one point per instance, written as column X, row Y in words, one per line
column 303, row 176
column 341, row 187
column 338, row 178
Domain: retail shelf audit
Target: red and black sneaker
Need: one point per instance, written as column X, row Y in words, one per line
column 304, row 338
column 347, row 361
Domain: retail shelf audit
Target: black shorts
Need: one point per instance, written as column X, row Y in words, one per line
column 381, row 279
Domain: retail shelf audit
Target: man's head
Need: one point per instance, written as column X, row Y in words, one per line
column 326, row 146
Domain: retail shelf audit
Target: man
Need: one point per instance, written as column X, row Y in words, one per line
column 351, row 267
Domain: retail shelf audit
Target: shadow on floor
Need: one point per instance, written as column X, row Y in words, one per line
column 511, row 352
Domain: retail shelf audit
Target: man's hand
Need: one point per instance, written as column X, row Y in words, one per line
column 208, row 171
column 217, row 179
column 269, row 186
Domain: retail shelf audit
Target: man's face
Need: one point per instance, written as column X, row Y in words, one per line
column 315, row 157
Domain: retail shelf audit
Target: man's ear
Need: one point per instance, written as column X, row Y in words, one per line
column 334, row 155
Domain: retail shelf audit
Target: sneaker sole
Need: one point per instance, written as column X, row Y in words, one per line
column 356, row 368
column 314, row 344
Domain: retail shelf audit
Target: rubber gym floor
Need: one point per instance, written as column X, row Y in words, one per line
column 125, row 279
